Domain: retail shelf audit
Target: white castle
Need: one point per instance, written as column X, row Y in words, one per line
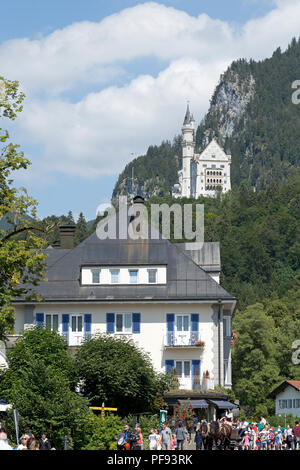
column 202, row 173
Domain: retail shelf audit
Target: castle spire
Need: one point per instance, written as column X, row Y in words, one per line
column 187, row 118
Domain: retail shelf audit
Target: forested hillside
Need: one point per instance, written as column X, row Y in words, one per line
column 259, row 235
column 252, row 116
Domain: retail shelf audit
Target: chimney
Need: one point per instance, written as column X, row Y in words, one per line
column 66, row 234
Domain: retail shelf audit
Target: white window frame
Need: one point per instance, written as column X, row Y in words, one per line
column 155, row 271
column 51, row 315
column 183, row 361
column 189, row 322
column 137, row 275
column 111, row 275
column 227, row 326
column 96, row 271
column 76, row 316
column 124, row 331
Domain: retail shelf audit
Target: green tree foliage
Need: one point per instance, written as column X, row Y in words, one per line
column 21, row 259
column 156, row 171
column 81, row 231
column 40, row 384
column 115, row 371
column 103, row 432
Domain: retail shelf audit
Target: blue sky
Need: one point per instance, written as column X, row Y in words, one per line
column 102, row 83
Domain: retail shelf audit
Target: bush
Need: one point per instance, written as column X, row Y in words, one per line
column 104, row 432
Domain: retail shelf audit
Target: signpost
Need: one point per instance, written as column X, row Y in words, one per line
column 162, row 417
column 102, row 408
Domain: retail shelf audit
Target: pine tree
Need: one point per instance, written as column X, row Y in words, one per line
column 81, row 231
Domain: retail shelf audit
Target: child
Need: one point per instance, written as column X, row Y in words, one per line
column 152, row 440
column 246, row 441
column 172, row 446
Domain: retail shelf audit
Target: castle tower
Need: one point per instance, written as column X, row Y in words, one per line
column 188, row 146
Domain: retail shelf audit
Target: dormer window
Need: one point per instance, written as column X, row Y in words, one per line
column 96, row 276
column 152, row 276
column 115, row 275
column 133, row 275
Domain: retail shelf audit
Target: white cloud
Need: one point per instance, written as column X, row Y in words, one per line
column 97, row 134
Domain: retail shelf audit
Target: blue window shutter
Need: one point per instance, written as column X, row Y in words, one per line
column 87, row 324
column 170, row 328
column 169, row 366
column 195, row 366
column 110, row 323
column 39, row 319
column 65, row 325
column 136, row 323
column 194, row 327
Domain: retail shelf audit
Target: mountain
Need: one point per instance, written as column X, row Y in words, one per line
column 252, row 116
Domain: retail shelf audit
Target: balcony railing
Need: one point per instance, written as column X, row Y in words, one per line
column 183, row 340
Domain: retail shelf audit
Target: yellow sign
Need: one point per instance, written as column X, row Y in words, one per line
column 102, row 409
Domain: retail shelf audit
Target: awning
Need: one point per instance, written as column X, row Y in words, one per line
column 4, row 406
column 224, row 405
column 196, row 403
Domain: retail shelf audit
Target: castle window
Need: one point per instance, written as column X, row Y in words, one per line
column 222, row 166
column 213, row 156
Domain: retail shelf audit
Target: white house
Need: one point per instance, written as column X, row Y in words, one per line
column 287, row 398
column 202, row 174
column 164, row 296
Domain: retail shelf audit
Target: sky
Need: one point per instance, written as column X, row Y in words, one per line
column 104, row 80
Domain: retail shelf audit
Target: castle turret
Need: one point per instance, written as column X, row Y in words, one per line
column 188, row 146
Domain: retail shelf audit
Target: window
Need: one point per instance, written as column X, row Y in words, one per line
column 133, row 275
column 77, row 323
column 183, row 368
column 182, row 322
column 227, row 326
column 152, row 276
column 123, row 323
column 52, row 322
column 96, row 276
column 115, row 274
column 296, row 403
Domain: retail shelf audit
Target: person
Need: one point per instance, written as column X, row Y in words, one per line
column 263, row 421
column 158, row 440
column 152, row 439
column 140, row 443
column 44, row 442
column 198, row 437
column 245, row 441
column 288, row 436
column 165, row 437
column 195, row 421
column 180, row 436
column 23, row 445
column 254, row 433
column 173, row 442
column 33, row 444
column 124, row 439
column 4, row 445
column 296, row 432
column 263, row 439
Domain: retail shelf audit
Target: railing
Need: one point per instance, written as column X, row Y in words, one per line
column 182, row 340
column 186, row 383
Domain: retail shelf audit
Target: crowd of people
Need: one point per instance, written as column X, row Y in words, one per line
column 26, row 442
column 262, row 436
column 253, row 436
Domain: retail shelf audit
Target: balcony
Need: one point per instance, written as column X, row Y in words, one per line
column 182, row 340
column 187, row 383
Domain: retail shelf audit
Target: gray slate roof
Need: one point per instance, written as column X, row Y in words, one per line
column 185, row 279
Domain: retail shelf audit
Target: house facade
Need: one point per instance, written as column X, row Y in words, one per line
column 287, row 398
column 164, row 296
column 204, row 173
